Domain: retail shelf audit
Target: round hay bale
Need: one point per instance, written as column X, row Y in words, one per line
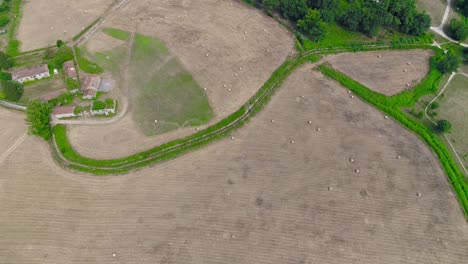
column 357, row 171
column 351, row 160
column 330, row 188
column 418, row 194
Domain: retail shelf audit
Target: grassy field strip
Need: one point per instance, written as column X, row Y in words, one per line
column 434, row 122
column 454, row 174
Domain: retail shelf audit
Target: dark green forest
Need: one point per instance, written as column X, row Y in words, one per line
column 366, row 16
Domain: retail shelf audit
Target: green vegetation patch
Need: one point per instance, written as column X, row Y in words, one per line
column 117, row 33
column 165, row 95
column 85, row 64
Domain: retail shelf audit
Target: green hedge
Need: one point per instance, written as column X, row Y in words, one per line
column 391, row 107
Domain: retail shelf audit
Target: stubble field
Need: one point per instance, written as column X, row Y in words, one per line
column 258, row 198
column 43, row 22
column 388, row 74
column 231, row 73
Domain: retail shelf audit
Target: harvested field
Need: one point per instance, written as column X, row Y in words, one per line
column 434, row 8
column 203, row 27
column 388, row 74
column 208, row 38
column 256, row 199
column 45, row 21
column 12, row 127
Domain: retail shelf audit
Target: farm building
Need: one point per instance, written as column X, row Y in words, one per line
column 31, row 74
column 69, row 68
column 53, row 95
column 64, row 111
column 90, row 86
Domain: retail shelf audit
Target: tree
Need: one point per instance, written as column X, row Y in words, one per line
column 444, row 126
column 12, row 90
column 313, row 25
column 420, row 24
column 5, row 61
column 293, row 9
column 38, row 118
column 458, row 29
column 448, row 62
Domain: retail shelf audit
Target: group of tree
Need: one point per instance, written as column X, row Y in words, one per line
column 458, row 29
column 38, row 118
column 365, row 16
column 12, row 91
column 462, row 6
column 446, row 62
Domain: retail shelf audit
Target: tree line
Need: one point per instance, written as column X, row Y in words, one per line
column 365, row 16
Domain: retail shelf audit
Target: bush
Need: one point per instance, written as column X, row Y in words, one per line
column 13, row 91
column 444, row 126
column 38, row 118
column 434, row 105
column 4, row 20
column 6, row 76
column 448, row 62
column 458, row 29
column 98, row 105
column 5, row 61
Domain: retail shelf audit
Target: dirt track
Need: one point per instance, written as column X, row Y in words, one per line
column 255, row 199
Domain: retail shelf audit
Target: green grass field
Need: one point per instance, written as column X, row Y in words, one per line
column 116, row 33
column 163, row 90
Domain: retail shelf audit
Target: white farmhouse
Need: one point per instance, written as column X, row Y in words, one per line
column 31, row 74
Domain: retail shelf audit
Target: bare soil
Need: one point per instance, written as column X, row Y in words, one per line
column 43, row 22
column 388, row 74
column 256, row 199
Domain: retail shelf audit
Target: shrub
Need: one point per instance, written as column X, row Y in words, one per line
column 458, row 29
column 4, row 20
column 13, row 91
column 434, row 105
column 444, row 126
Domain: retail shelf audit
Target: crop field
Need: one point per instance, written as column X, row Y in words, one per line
column 212, row 28
column 12, row 127
column 434, row 8
column 388, row 74
column 453, row 107
column 229, row 47
column 280, row 190
column 45, row 21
